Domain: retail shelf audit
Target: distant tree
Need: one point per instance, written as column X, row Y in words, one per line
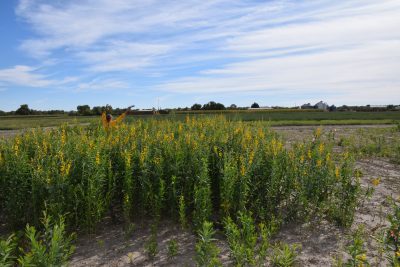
column 196, row 107
column 213, row 106
column 23, row 110
column 255, row 105
column 83, row 110
column 233, row 106
column 97, row 110
column 2, row 113
column 332, row 108
column 118, row 111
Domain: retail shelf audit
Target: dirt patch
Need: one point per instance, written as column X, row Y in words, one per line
column 112, row 246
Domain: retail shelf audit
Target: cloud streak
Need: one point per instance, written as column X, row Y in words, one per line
column 202, row 47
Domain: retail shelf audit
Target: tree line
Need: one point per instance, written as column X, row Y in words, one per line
column 86, row 110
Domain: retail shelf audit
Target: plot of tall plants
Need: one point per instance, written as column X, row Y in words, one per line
column 196, row 170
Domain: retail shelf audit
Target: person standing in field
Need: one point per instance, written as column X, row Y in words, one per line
column 108, row 121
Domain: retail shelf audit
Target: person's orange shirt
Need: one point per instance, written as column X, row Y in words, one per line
column 112, row 123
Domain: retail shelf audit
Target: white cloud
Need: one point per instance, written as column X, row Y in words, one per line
column 277, row 47
column 360, row 70
column 100, row 85
column 30, row 77
column 122, row 56
column 24, row 76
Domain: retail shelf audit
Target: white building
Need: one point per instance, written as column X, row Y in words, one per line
column 322, row 105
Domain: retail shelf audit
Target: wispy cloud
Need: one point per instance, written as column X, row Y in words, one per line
column 30, row 77
column 201, row 47
column 122, row 56
column 24, row 76
column 100, row 85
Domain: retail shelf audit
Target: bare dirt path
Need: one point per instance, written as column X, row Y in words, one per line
column 300, row 131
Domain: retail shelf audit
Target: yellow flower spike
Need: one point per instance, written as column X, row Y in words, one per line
column 376, row 181
column 302, row 158
column 242, row 170
column 63, row 137
column 67, row 168
column 361, row 257
column 251, row 157
column 319, row 163
column 318, row 132
column 98, row 158
column 337, row 174
column 398, row 253
column 309, row 154
column 321, row 148
column 328, row 157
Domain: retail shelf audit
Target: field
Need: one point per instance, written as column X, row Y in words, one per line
column 273, row 117
column 206, row 190
column 33, row 121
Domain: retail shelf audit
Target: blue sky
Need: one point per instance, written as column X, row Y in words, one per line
column 59, row 54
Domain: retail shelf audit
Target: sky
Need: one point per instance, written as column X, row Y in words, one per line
column 58, row 54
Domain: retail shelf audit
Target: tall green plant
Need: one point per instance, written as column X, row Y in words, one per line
column 206, row 250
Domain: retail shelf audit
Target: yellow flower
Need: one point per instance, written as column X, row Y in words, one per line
column 302, row 158
column 309, row 154
column 65, row 168
column 328, row 157
column 319, row 163
column 337, row 172
column 98, row 158
column 318, row 132
column 16, row 145
column 251, row 157
column 63, row 137
column 398, row 253
column 361, row 257
column 376, row 181
column 321, row 148
column 242, row 170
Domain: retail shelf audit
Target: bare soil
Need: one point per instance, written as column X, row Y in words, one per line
column 320, row 241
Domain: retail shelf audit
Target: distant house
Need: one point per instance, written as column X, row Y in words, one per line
column 322, row 105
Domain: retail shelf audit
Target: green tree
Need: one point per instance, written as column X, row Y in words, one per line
column 196, row 107
column 23, row 110
column 213, row 106
column 233, row 106
column 83, row 110
column 97, row 110
column 255, row 105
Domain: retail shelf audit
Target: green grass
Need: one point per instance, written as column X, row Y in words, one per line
column 299, row 115
column 274, row 117
column 23, row 122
